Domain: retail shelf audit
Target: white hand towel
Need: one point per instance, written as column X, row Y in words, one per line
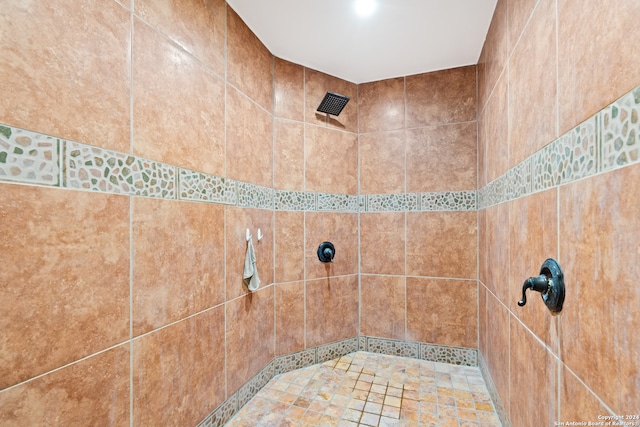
column 250, row 275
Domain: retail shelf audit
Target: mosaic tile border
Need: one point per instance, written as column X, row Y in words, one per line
column 493, row 393
column 423, row 351
column 295, row 201
column 337, row 202
column 28, row 157
column 420, row 202
column 201, row 187
column 608, row 140
column 96, row 169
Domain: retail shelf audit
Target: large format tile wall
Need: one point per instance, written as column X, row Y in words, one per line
column 558, row 178
column 418, row 268
column 137, row 147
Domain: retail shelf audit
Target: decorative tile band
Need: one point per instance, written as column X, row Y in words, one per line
column 28, row 157
column 295, row 201
column 337, row 202
column 449, row 201
column 96, row 169
column 254, row 196
column 424, row 351
column 493, row 392
column 201, row 187
column 608, row 140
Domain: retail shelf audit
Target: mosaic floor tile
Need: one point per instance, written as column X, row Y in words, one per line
column 28, row 157
column 367, row 389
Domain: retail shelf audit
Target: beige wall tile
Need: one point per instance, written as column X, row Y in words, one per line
column 331, row 160
column 178, row 261
column 442, row 158
column 382, row 162
column 250, row 336
column 73, row 395
column 65, row 70
column 290, row 303
column 533, row 238
column 341, row 229
column 197, row 27
column 332, row 309
column 599, row 232
column 595, row 70
column 289, row 246
column 532, row 86
column 64, row 280
column 237, row 222
column 178, row 371
column 382, row 243
column 441, row 97
column 288, row 90
column 249, row 146
column 381, row 105
column 442, row 311
column 249, row 62
column 382, row 306
column 288, row 155
column 178, row 106
column 442, row 244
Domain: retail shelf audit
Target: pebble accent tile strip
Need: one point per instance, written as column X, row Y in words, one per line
column 570, row 157
column 295, row 201
column 337, row 202
column 373, row 390
column 393, row 348
column 28, row 157
column 254, row 196
column 336, row 349
column 448, row 201
column 291, row 362
column 206, row 188
column 96, row 169
column 255, row 384
column 391, row 202
column 452, row 355
column 621, row 132
column 608, row 140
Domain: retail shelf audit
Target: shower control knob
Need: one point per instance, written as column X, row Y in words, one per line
column 550, row 284
column 326, row 252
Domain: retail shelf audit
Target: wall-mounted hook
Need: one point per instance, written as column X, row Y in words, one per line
column 248, row 235
column 260, row 235
column 550, row 284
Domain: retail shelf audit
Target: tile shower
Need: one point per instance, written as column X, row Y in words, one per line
column 127, row 188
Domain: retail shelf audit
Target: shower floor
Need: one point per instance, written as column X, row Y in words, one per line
column 367, row 389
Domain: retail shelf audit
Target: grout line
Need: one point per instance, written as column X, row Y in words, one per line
column 131, row 214
column 304, row 214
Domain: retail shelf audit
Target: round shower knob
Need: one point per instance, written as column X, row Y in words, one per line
column 326, row 252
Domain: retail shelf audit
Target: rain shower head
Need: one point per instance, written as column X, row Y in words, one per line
column 333, row 103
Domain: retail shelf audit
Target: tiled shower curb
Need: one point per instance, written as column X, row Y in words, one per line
column 325, row 352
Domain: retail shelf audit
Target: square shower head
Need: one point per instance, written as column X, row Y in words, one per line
column 333, row 103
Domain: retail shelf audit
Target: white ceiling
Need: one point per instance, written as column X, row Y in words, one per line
column 402, row 37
